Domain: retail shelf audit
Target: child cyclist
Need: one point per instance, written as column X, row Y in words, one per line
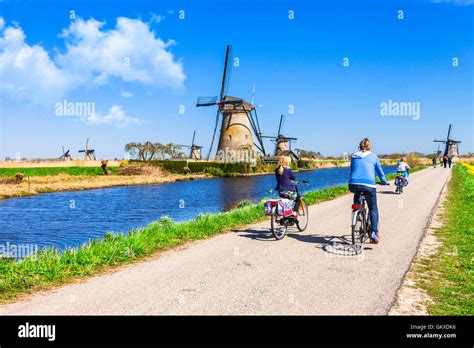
column 285, row 177
column 404, row 169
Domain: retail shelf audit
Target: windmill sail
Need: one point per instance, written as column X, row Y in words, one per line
column 239, row 119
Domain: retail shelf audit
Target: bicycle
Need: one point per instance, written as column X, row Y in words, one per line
column 279, row 223
column 400, row 182
column 361, row 227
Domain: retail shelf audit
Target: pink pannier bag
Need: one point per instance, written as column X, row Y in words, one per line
column 283, row 207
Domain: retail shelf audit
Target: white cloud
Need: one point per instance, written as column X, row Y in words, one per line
column 126, row 94
column 130, row 52
column 93, row 56
column 115, row 116
column 27, row 71
column 156, row 19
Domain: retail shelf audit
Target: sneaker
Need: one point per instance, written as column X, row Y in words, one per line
column 374, row 238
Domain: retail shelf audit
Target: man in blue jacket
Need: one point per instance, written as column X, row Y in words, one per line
column 365, row 165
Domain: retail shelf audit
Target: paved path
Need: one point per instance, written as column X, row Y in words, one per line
column 248, row 272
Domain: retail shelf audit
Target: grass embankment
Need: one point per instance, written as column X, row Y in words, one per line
column 51, row 267
column 448, row 275
column 50, row 179
column 44, row 171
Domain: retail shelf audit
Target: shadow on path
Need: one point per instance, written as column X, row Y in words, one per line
column 337, row 245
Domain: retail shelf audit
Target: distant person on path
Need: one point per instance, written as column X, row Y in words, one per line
column 365, row 166
column 284, row 177
column 445, row 160
column 434, row 162
column 450, row 161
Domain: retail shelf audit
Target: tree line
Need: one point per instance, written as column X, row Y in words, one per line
column 149, row 150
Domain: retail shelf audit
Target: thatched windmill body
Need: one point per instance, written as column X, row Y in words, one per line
column 195, row 150
column 89, row 154
column 451, row 146
column 239, row 125
column 65, row 156
column 282, row 142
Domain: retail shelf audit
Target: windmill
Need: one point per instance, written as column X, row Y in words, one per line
column 451, row 145
column 89, row 154
column 66, row 156
column 195, row 150
column 282, row 142
column 239, row 117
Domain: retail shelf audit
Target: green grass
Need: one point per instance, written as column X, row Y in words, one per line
column 43, row 171
column 51, row 267
column 448, row 276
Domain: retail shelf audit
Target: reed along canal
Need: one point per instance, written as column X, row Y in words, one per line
column 69, row 219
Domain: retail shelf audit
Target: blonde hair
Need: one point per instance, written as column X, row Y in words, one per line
column 365, row 145
column 283, row 161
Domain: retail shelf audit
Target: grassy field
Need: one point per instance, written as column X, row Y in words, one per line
column 44, row 171
column 51, row 267
column 448, row 276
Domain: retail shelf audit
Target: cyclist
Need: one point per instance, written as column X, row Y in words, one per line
column 404, row 169
column 284, row 177
column 365, row 166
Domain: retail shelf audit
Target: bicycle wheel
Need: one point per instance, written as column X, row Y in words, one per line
column 303, row 216
column 398, row 185
column 278, row 229
column 358, row 228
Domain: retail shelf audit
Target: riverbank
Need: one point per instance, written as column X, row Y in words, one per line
column 59, row 176
column 33, row 185
column 441, row 279
column 47, row 179
column 51, row 267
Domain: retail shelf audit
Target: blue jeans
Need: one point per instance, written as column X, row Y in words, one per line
column 371, row 198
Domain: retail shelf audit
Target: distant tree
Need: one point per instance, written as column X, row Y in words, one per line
column 149, row 150
column 161, row 149
column 394, row 155
column 174, row 151
column 308, row 154
column 419, row 154
column 145, row 151
column 134, row 149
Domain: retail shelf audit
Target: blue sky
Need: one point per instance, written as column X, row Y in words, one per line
column 291, row 62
